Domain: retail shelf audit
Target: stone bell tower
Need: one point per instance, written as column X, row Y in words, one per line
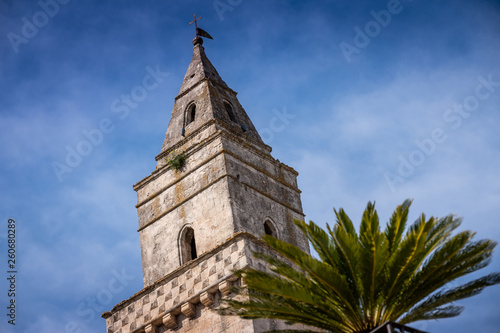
column 201, row 219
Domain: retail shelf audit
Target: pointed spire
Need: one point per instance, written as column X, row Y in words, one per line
column 204, row 98
column 200, row 68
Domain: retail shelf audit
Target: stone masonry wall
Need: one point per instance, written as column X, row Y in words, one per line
column 208, row 196
column 198, row 95
column 208, row 214
column 262, row 188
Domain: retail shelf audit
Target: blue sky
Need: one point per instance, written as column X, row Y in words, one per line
column 403, row 107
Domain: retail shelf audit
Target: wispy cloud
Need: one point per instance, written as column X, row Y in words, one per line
column 352, row 123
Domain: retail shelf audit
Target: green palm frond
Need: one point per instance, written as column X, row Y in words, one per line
column 361, row 280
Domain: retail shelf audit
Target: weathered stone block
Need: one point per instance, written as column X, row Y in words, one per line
column 225, row 287
column 207, row 299
column 170, row 320
column 151, row 329
column 188, row 310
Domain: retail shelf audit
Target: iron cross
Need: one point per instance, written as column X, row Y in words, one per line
column 195, row 23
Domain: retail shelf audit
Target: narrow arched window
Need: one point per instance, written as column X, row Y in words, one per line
column 192, row 245
column 269, row 229
column 191, row 114
column 230, row 112
column 187, row 245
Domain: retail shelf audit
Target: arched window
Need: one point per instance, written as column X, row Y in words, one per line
column 269, row 229
column 190, row 114
column 230, row 112
column 187, row 245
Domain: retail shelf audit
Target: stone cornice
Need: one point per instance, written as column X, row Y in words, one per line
column 268, row 196
column 205, row 79
column 180, row 203
column 182, row 269
column 222, row 151
column 158, row 172
column 165, row 168
column 228, row 133
column 261, row 170
column 182, row 142
column 190, row 136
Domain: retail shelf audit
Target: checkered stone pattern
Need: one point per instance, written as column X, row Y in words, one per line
column 251, row 248
column 185, row 284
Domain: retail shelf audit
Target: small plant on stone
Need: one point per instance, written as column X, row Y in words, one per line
column 176, row 160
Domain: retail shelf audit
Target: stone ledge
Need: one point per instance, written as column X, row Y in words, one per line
column 205, row 161
column 177, row 180
column 180, row 203
column 243, row 140
column 155, row 306
column 253, row 188
column 194, row 85
column 263, row 171
column 169, row 318
column 205, row 79
column 156, row 173
column 228, row 133
column 181, row 270
column 186, row 139
column 254, row 144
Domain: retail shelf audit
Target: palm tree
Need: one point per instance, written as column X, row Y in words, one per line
column 362, row 280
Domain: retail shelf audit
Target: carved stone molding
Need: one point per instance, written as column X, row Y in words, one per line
column 151, row 329
column 188, row 309
column 207, row 299
column 225, row 287
column 170, row 320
